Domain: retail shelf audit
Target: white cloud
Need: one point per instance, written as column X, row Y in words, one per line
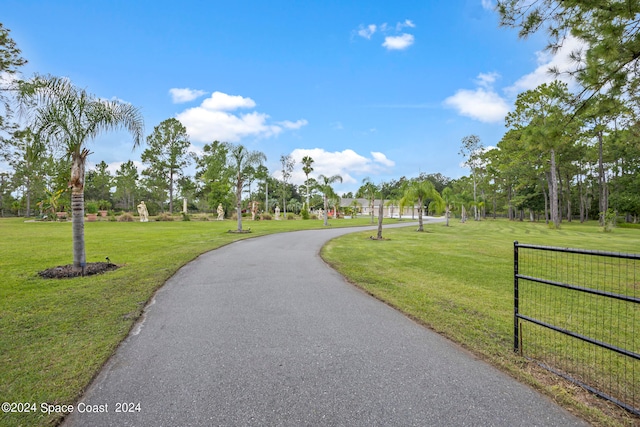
column 488, row 4
column 481, row 104
column 487, row 80
column 293, row 125
column 392, row 40
column 185, row 95
column 346, row 163
column 398, row 42
column 406, row 23
column 212, row 120
column 486, row 105
column 367, row 31
column 219, row 101
column 560, row 60
column 382, row 159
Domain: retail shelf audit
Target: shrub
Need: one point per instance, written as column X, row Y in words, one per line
column 186, row 217
column 609, row 220
column 266, row 216
column 126, row 217
column 164, row 216
column 91, row 207
column 314, row 216
column 304, row 213
column 290, row 215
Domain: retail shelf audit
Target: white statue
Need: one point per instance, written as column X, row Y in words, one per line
column 277, row 212
column 321, row 213
column 220, row 211
column 143, row 212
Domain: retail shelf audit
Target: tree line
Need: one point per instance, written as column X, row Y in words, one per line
column 564, row 155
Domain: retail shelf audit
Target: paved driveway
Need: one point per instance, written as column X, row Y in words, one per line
column 262, row 332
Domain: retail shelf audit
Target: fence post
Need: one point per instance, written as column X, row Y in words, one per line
column 516, row 332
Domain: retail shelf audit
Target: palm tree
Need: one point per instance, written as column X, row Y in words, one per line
column 64, row 114
column 307, row 169
column 422, row 190
column 324, row 185
column 355, row 207
column 369, row 191
column 243, row 164
column 447, row 197
column 392, row 203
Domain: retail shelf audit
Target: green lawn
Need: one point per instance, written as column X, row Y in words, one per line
column 458, row 280
column 56, row 334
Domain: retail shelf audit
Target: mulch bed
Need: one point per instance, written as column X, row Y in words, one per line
column 66, row 271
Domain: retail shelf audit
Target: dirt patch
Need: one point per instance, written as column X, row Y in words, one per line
column 66, row 271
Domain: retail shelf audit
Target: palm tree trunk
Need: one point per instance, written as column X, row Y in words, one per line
column 326, row 213
column 239, row 202
column 77, row 225
column 380, row 215
column 77, row 210
column 420, row 226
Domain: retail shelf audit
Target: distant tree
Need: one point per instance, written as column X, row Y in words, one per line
column 6, row 188
column 213, row 171
column 382, row 194
column 287, row 163
column 64, row 114
column 542, row 116
column 324, row 185
column 307, row 161
column 243, row 163
column 98, row 183
column 10, row 63
column 167, row 154
column 355, row 207
column 368, row 190
column 187, row 189
column 262, row 174
column 438, row 180
column 447, row 198
column 471, row 150
column 126, row 182
column 601, row 114
column 421, row 191
column 26, row 154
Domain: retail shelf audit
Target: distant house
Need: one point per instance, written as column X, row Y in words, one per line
column 389, row 210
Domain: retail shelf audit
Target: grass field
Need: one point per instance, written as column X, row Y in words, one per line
column 458, row 280
column 56, row 334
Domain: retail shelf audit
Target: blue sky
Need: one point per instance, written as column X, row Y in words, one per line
column 373, row 89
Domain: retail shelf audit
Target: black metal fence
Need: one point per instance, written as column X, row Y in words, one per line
column 577, row 313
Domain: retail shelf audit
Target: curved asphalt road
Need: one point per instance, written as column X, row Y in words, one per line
column 263, row 333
